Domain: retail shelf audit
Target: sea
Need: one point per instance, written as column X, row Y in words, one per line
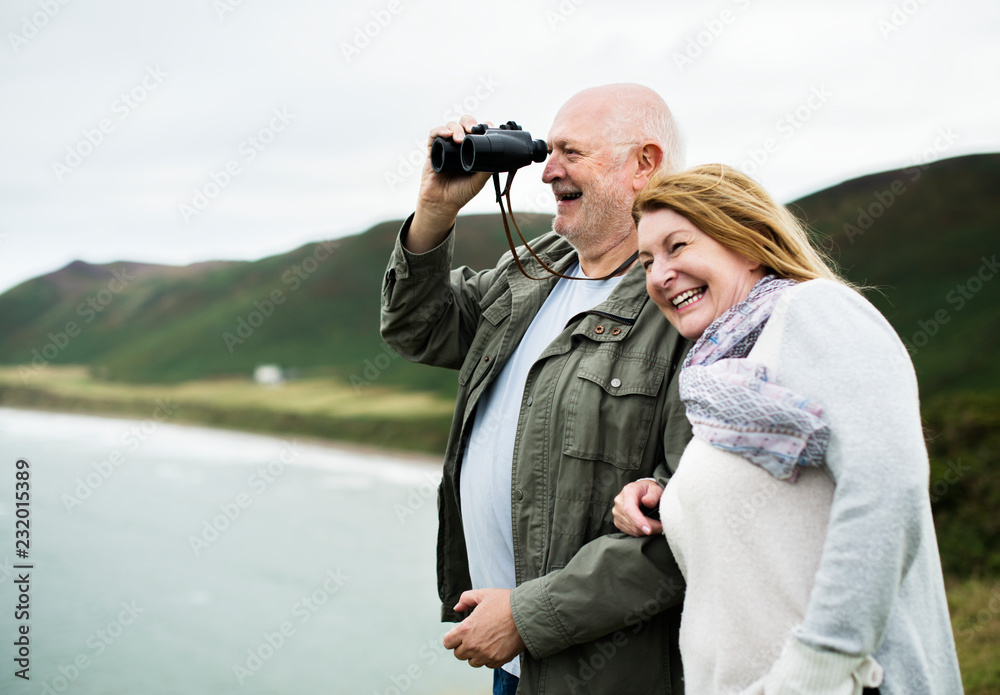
column 152, row 557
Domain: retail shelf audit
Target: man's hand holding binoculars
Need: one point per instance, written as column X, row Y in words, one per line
column 462, row 157
column 442, row 195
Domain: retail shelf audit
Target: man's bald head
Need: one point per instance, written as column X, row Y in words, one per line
column 631, row 114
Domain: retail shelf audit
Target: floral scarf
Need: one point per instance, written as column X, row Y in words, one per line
column 734, row 405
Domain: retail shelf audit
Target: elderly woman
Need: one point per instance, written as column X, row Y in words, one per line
column 799, row 513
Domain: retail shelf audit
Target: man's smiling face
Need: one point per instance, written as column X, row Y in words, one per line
column 592, row 190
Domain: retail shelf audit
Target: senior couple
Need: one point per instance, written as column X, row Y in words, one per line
column 588, row 543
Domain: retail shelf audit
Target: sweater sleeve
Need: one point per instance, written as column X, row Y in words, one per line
column 838, row 350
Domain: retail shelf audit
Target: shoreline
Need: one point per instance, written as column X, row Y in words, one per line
column 403, row 455
column 311, row 440
column 325, row 410
column 412, row 438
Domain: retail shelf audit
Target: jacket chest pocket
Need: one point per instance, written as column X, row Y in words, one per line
column 611, row 407
column 485, row 348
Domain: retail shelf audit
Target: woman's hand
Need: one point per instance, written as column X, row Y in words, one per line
column 628, row 508
column 805, row 670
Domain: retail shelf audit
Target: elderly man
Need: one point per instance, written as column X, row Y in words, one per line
column 567, row 391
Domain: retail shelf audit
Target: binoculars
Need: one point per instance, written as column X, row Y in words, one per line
column 506, row 148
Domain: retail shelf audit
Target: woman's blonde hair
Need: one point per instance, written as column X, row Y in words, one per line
column 738, row 213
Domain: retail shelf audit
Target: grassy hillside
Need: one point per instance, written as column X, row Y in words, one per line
column 963, row 440
column 929, row 239
column 314, row 309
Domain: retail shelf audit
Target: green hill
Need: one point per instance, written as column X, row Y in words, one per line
column 924, row 236
column 314, row 310
column 929, row 239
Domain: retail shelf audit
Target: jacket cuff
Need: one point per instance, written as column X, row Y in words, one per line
column 437, row 261
column 450, row 615
column 542, row 632
column 805, row 670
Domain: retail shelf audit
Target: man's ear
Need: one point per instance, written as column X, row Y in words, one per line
column 648, row 160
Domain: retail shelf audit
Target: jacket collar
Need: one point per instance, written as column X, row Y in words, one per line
column 626, row 300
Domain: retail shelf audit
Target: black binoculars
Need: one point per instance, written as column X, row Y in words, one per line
column 488, row 149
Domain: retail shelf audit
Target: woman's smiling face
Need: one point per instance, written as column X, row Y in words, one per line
column 692, row 278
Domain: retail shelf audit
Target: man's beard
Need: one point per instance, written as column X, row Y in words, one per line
column 604, row 213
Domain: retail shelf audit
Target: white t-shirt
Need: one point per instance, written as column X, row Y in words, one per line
column 485, row 486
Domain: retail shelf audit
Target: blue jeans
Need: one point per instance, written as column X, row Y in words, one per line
column 504, row 683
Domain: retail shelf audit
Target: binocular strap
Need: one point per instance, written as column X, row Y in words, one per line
column 510, row 241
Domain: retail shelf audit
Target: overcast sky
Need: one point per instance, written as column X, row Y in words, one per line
column 189, row 130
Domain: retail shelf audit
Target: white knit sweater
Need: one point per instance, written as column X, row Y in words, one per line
column 820, row 585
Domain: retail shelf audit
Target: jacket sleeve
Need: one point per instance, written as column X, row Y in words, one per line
column 429, row 312
column 607, row 586
column 610, row 583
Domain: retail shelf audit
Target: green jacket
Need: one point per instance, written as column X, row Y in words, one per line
column 598, row 611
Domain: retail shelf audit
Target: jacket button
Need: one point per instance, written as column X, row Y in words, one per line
column 599, row 329
column 616, row 331
column 486, row 359
column 615, row 383
column 518, row 494
column 530, row 400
